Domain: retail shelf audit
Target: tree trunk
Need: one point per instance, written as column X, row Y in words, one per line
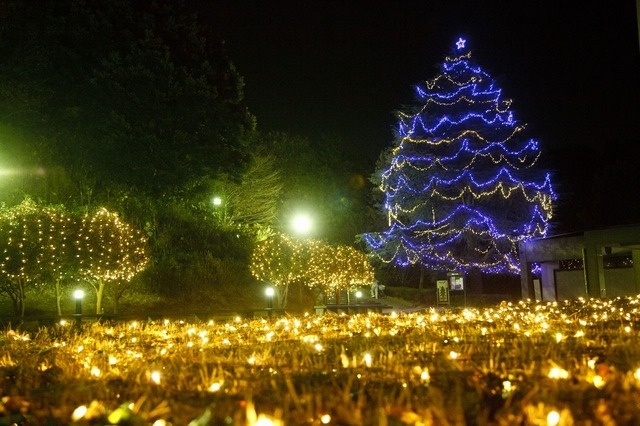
column 58, row 296
column 21, row 296
column 282, row 293
column 421, row 284
column 99, row 293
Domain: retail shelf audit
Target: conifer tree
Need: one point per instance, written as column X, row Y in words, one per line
column 460, row 183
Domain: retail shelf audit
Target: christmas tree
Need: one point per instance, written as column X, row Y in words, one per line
column 460, row 184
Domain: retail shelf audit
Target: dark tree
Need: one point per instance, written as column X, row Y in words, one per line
column 317, row 178
column 130, row 94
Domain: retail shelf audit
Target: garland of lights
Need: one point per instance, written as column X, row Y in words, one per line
column 461, row 190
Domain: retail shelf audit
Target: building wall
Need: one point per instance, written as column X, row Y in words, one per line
column 570, row 284
column 619, row 282
column 591, row 247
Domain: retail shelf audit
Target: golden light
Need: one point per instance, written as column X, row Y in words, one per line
column 598, row 381
column 264, row 420
column 558, row 373
column 368, row 360
column 79, row 413
column 553, row 418
column 215, row 387
column 507, row 388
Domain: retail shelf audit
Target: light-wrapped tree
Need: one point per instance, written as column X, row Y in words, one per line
column 460, row 184
column 36, row 249
column 109, row 250
column 58, row 262
column 279, row 260
column 21, row 241
column 337, row 268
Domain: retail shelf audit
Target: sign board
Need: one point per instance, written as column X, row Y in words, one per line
column 456, row 281
column 442, row 287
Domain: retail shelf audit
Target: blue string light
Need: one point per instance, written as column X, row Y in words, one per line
column 461, row 187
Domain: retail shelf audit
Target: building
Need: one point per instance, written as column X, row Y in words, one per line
column 599, row 263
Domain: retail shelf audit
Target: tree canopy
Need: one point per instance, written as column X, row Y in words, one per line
column 132, row 93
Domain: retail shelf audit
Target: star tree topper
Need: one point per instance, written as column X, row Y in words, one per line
column 460, row 43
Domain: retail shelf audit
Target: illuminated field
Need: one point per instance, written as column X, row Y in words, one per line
column 525, row 364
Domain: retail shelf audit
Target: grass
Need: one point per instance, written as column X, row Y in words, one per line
column 515, row 363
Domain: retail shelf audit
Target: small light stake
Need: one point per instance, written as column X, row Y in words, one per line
column 78, row 295
column 269, row 291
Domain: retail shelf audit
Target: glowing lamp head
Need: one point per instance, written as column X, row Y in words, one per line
column 269, row 291
column 78, row 294
column 302, row 224
column 216, row 201
column 358, row 294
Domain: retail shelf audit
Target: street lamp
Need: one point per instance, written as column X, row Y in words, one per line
column 269, row 291
column 216, row 201
column 78, row 295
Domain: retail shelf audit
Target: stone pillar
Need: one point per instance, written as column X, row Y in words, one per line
column 548, row 281
column 593, row 270
column 635, row 256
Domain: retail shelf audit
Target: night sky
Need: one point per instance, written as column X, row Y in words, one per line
column 572, row 68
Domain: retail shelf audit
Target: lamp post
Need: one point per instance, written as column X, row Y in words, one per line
column 269, row 291
column 219, row 208
column 78, row 295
